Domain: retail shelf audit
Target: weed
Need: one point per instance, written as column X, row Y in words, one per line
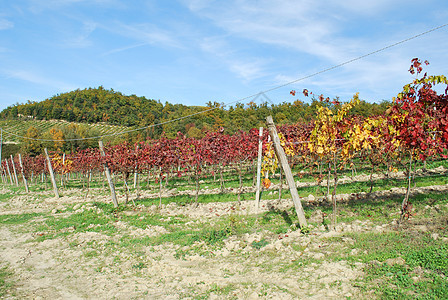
column 225, row 290
column 401, row 281
column 5, row 284
column 305, row 230
column 6, row 197
column 433, row 257
column 88, row 220
column 152, row 220
column 139, row 266
column 15, row 219
column 259, row 244
column 278, row 221
column 92, row 253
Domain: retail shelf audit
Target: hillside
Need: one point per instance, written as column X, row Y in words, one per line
column 20, row 127
column 13, row 129
column 90, row 105
column 99, row 105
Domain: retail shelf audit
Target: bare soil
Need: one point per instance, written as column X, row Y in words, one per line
column 83, row 265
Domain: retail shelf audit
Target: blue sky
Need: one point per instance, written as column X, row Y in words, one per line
column 192, row 52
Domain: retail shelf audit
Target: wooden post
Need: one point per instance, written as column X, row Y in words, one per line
column 9, row 171
column 25, row 182
column 287, row 170
column 260, row 154
column 16, row 180
column 109, row 178
column 50, row 170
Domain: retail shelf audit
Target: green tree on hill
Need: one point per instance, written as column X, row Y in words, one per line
column 94, row 105
column 30, row 144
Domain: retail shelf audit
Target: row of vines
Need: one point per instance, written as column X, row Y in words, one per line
column 413, row 129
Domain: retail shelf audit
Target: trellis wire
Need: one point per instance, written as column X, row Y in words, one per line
column 248, row 97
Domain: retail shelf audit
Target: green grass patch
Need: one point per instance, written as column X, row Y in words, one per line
column 88, row 220
column 199, row 237
column 226, row 291
column 278, row 221
column 5, row 282
column 139, row 266
column 422, row 276
column 6, row 197
column 16, row 219
column 187, row 237
column 144, row 220
column 189, row 199
column 259, row 244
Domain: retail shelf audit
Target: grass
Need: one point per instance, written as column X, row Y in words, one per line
column 196, row 237
column 21, row 126
column 231, row 181
column 424, row 274
column 5, row 283
column 199, row 237
column 216, row 290
column 5, row 197
column 16, row 219
column 88, row 220
column 259, row 244
column 187, row 199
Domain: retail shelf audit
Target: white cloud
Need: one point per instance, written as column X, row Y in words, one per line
column 249, row 70
column 82, row 40
column 5, row 24
column 37, row 6
column 196, row 5
column 121, row 49
column 246, row 68
column 369, row 8
column 317, row 28
column 321, row 34
column 38, row 79
column 147, row 33
column 290, row 25
column 376, row 79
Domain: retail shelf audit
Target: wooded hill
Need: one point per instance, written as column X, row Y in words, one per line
column 93, row 105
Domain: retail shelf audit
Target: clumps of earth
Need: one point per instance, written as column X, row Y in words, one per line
column 261, row 265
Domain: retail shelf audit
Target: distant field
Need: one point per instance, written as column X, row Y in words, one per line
column 19, row 127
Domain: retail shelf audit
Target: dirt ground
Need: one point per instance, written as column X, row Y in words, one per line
column 82, row 265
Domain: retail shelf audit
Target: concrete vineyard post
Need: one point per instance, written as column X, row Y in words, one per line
column 109, row 178
column 9, row 171
column 50, row 170
column 16, row 180
column 25, row 182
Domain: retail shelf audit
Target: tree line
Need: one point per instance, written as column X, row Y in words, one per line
column 93, row 105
